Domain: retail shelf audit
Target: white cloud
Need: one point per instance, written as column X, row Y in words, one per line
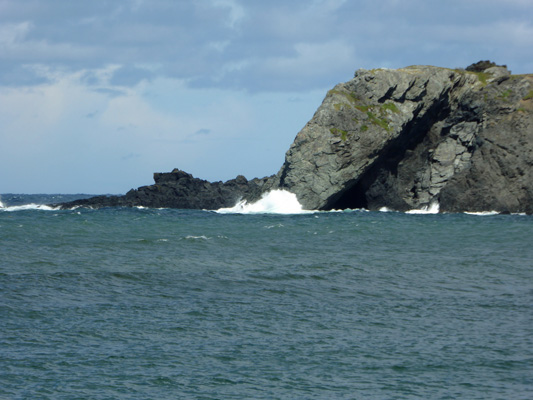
column 313, row 59
column 236, row 11
column 12, row 34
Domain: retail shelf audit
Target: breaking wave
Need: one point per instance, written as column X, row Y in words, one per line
column 273, row 202
column 432, row 208
column 24, row 207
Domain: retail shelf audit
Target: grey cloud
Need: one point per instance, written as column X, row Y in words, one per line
column 257, row 45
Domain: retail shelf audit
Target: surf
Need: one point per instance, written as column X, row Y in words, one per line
column 432, row 208
column 273, row 202
column 25, row 207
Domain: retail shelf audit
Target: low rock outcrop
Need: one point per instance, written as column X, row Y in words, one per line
column 178, row 189
column 401, row 139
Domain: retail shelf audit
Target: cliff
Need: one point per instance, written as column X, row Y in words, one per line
column 405, row 138
column 401, row 139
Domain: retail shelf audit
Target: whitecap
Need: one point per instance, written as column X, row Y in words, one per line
column 191, row 237
column 31, row 206
column 273, row 202
column 274, row 226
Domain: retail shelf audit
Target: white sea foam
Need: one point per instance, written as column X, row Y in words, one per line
column 432, row 208
column 273, row 202
column 482, row 213
column 28, row 207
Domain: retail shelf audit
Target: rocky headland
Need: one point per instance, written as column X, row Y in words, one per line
column 402, row 139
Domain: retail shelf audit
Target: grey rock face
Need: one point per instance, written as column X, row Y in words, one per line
column 401, row 139
column 405, row 138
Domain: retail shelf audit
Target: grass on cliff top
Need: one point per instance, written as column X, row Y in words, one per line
column 518, row 76
column 481, row 76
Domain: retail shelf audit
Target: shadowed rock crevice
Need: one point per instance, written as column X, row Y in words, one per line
column 360, row 193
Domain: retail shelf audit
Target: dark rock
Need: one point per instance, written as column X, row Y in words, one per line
column 481, row 66
column 401, row 139
column 178, row 189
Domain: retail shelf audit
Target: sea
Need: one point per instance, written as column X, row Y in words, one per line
column 263, row 301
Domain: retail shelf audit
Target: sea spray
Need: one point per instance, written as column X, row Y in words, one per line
column 432, row 208
column 273, row 202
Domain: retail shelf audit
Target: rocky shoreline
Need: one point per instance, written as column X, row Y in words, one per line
column 401, row 139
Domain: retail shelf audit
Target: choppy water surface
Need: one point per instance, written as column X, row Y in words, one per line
column 167, row 304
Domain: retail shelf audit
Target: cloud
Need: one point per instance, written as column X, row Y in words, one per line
column 13, row 33
column 231, row 43
column 236, row 11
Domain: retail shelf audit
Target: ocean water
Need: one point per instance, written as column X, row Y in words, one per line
column 180, row 304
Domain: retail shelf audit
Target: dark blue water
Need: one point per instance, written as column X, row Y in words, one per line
column 168, row 304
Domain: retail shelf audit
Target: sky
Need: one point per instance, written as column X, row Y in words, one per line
column 97, row 95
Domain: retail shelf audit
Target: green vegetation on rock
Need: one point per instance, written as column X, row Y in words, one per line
column 363, row 108
column 382, row 122
column 339, row 132
column 481, row 76
column 377, row 114
column 505, row 95
column 390, row 106
column 351, row 97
